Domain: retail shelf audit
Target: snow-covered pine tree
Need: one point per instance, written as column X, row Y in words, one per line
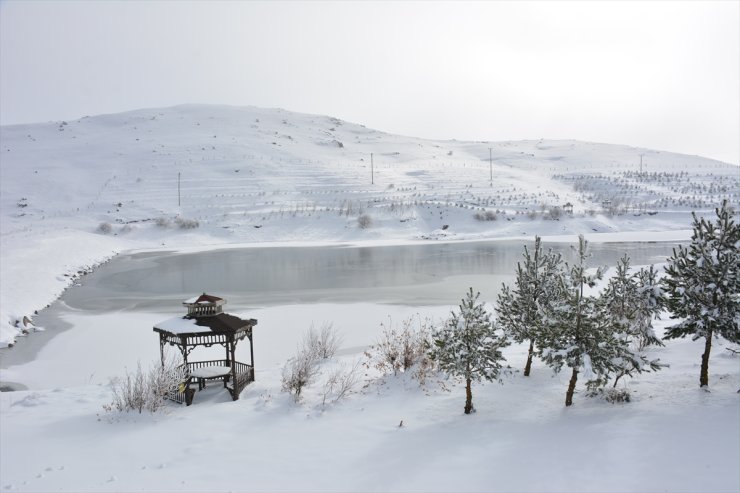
column 630, row 303
column 579, row 335
column 467, row 346
column 519, row 309
column 702, row 284
column 650, row 304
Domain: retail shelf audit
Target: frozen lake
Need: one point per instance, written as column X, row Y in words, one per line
column 356, row 288
column 423, row 274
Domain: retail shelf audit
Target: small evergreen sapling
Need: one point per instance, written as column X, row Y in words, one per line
column 519, row 310
column 467, row 346
column 630, row 302
column 702, row 284
column 649, row 305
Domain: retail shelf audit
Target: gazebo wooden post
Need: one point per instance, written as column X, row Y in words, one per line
column 234, row 382
column 189, row 393
column 251, row 352
column 161, row 348
column 184, row 349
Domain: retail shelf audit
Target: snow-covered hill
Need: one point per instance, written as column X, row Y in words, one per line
column 74, row 193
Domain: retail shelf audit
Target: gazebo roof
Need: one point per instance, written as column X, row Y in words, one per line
column 222, row 323
column 204, row 298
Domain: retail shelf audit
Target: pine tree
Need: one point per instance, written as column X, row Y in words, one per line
column 580, row 334
column 649, row 305
column 467, row 346
column 702, row 284
column 519, row 311
column 630, row 302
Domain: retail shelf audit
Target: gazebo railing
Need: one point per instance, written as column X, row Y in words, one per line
column 182, row 393
column 192, row 365
column 244, row 375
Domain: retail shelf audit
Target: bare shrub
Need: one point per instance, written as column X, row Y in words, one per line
column 340, row 382
column 162, row 222
column 323, row 342
column 303, row 369
column 183, row 223
column 364, row 221
column 300, row 371
column 140, row 390
column 105, row 228
column 554, row 214
column 400, row 350
column 425, row 365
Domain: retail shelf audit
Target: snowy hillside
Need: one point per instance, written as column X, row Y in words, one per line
column 74, row 193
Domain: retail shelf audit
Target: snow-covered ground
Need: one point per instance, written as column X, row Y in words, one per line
column 73, row 194
column 670, row 437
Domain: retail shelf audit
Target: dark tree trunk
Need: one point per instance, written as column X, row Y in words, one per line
column 616, row 380
column 528, row 366
column 571, row 387
column 704, row 377
column 468, row 397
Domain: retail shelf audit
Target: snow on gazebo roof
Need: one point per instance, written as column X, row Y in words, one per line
column 221, row 323
column 177, row 325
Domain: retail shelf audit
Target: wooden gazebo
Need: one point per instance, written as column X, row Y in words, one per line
column 205, row 325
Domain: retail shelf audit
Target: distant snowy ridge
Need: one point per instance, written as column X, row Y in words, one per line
column 74, row 193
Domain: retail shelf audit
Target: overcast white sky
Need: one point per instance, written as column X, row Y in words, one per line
column 663, row 75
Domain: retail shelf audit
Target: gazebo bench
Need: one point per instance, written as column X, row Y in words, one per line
column 204, row 373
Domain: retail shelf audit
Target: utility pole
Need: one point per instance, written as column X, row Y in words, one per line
column 641, row 162
column 178, row 189
column 490, row 163
column 372, row 170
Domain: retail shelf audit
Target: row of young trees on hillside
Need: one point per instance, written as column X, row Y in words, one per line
column 554, row 307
